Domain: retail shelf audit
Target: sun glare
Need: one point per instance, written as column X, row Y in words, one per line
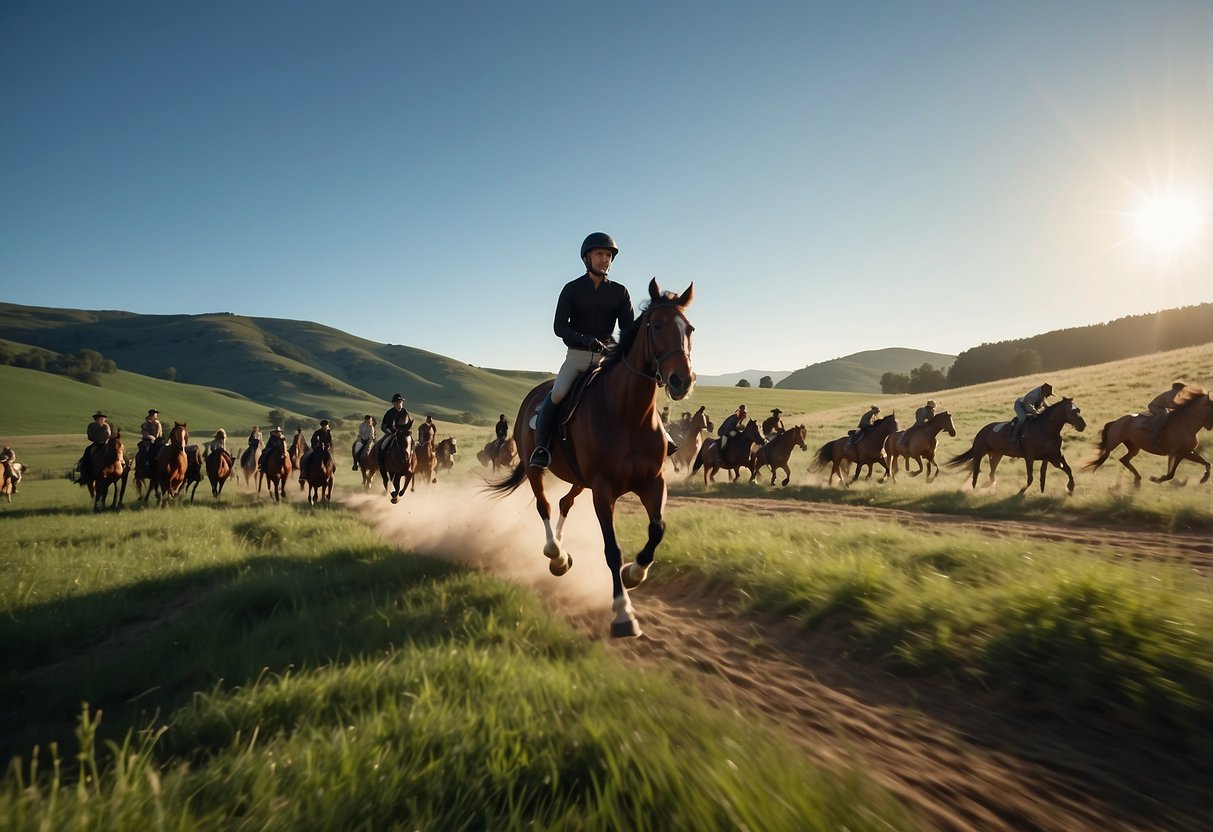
column 1169, row 222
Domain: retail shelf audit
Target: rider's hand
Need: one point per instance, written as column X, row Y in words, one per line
column 595, row 344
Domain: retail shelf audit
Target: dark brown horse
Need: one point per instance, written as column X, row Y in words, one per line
column 868, row 450
column 169, row 465
column 446, row 451
column 1176, row 441
column 690, row 440
column 1041, row 439
column 218, row 470
column 319, row 475
column 298, row 449
column 918, row 443
column 498, row 456
column 368, row 464
column 425, row 458
column 107, row 468
column 738, row 453
column 613, row 442
column 277, row 471
column 778, row 451
column 395, row 460
column 194, row 468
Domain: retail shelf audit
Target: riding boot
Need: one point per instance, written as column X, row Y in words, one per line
column 541, row 457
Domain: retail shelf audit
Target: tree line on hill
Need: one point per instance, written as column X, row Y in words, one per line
column 86, row 365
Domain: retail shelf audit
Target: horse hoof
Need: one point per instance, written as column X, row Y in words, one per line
column 559, row 566
column 395, row 499
column 633, row 575
column 626, row 629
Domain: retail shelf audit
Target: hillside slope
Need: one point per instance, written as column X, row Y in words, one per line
column 861, row 371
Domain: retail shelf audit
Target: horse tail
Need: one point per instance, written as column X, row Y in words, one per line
column 510, row 483
column 824, row 456
column 1101, row 450
column 963, row 459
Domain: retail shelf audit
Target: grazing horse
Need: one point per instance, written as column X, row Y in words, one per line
column 277, row 471
column 691, row 441
column 396, row 461
column 368, row 464
column 218, row 469
column 918, row 443
column 319, row 475
column 867, row 450
column 169, row 465
column 108, row 468
column 446, row 451
column 1041, row 439
column 738, row 453
column 425, row 459
column 1176, row 441
column 249, row 462
column 195, row 466
column 612, row 442
column 498, row 457
column 778, row 451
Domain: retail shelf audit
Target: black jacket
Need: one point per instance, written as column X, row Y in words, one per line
column 585, row 312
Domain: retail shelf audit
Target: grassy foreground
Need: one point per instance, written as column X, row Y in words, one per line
column 274, row 667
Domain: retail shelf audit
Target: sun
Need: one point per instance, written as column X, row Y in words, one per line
column 1169, row 222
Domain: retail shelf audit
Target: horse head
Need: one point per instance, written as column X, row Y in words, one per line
column 1073, row 415
column 665, row 351
column 946, row 418
column 179, row 435
column 800, row 435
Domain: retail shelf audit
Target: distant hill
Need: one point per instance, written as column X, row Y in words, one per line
column 298, row 366
column 861, row 371
column 731, row 379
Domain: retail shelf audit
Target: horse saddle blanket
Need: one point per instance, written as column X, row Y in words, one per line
column 998, row 428
column 568, row 406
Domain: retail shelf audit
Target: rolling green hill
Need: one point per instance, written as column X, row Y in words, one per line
column 299, row 366
column 861, row 372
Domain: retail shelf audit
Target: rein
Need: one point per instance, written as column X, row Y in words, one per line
column 655, row 374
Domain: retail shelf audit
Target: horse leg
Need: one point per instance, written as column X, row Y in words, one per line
column 1030, row 463
column 787, row 469
column 566, row 505
column 624, row 625
column 1172, row 463
column 652, row 497
column 1065, row 466
column 994, row 460
column 559, row 561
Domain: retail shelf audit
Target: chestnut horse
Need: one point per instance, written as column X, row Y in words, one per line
column 446, row 453
column 249, row 462
column 498, row 457
column 778, row 451
column 108, row 467
column 738, row 453
column 395, row 460
column 867, row 450
column 613, row 442
column 218, row 469
column 918, row 443
column 298, row 449
column 425, row 459
column 169, row 465
column 319, row 475
column 691, row 440
column 1041, row 439
column 277, row 471
column 1176, row 441
column 368, row 464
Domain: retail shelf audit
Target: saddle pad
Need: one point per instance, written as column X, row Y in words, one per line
column 998, row 427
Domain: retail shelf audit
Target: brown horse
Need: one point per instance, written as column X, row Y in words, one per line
column 1176, row 441
column 738, row 453
column 249, row 464
column 778, row 451
column 1041, row 439
column 169, row 465
column 918, row 443
column 218, row 470
column 298, row 449
column 613, row 442
column 395, row 460
column 868, row 450
column 498, row 457
column 368, row 464
column 195, row 466
column 319, row 475
column 425, row 459
column 108, row 468
column 277, row 471
column 10, row 475
column 446, row 451
column 691, row 440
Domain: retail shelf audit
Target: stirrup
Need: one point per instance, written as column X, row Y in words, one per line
column 540, row 457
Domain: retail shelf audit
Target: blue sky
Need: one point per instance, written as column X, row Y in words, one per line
column 833, row 177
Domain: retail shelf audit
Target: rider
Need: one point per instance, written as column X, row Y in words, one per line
column 150, row 431
column 397, row 417
column 1161, row 405
column 366, row 436
column 322, row 437
column 922, row 415
column 503, row 432
column 8, row 461
column 428, row 431
column 277, row 440
column 865, row 425
column 733, row 424
column 219, row 443
column 772, row 424
column 1030, row 404
column 98, row 433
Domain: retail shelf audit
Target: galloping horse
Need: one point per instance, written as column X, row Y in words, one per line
column 691, row 441
column 867, row 450
column 108, row 468
column 613, row 442
column 298, row 449
column 425, row 460
column 778, row 451
column 368, row 464
column 10, row 475
column 169, row 465
column 195, row 465
column 1041, row 439
column 738, row 453
column 396, row 461
column 277, row 471
column 446, row 453
column 319, row 474
column 249, row 461
column 502, row 457
column 218, row 469
column 921, row 445
column 1176, row 441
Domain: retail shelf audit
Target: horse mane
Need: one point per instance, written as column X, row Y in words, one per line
column 1191, row 396
column 614, row 355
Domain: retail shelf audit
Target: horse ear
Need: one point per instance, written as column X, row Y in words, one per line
column 687, row 296
column 654, row 289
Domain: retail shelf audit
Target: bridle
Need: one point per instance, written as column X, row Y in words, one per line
column 654, row 375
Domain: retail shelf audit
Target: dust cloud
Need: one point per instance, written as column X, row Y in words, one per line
column 462, row 523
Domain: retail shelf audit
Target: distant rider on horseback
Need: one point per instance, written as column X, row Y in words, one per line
column 865, row 425
column 772, row 424
column 922, row 415
column 150, row 431
column 1161, row 406
column 322, row 438
column 396, row 418
column 503, row 433
column 98, row 433
column 366, row 436
column 277, row 440
column 1028, row 405
column 733, row 424
column 8, row 462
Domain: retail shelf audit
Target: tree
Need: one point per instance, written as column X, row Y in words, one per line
column 170, row 373
column 894, row 383
column 465, row 418
column 926, row 379
column 1025, row 362
column 277, row 417
column 766, row 382
column 743, row 383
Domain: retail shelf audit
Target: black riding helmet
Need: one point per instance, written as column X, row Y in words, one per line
column 599, row 239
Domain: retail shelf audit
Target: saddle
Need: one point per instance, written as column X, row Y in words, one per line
column 568, row 405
